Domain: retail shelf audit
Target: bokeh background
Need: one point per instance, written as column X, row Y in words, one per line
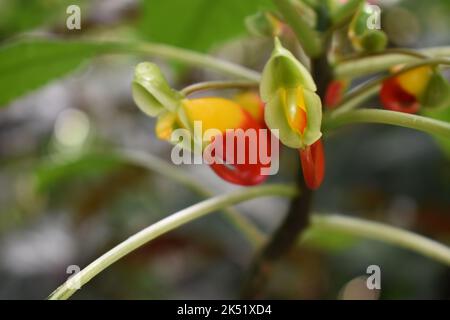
column 66, row 198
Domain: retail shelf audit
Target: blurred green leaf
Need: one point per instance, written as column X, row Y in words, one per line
column 27, row 65
column 196, row 24
column 22, row 15
column 54, row 173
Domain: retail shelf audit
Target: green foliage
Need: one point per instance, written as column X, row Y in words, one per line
column 196, row 24
column 54, row 174
column 29, row 64
column 22, row 15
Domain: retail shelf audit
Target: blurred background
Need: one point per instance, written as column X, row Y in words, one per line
column 66, row 197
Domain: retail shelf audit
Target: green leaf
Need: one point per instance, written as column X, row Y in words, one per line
column 50, row 175
column 22, row 15
column 196, row 24
column 29, row 64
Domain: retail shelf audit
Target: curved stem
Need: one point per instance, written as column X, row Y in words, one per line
column 357, row 97
column 401, row 119
column 296, row 219
column 148, row 161
column 382, row 232
column 211, row 85
column 163, row 226
column 388, row 51
column 192, row 58
column 363, row 92
column 381, row 62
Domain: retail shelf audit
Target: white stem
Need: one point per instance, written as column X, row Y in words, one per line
column 155, row 164
column 163, row 226
column 385, row 233
column 377, row 63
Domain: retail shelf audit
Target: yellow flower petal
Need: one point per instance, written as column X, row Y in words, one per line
column 415, row 81
column 214, row 113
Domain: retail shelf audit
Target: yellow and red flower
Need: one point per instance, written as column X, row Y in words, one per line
column 403, row 92
column 154, row 96
column 294, row 111
column 227, row 116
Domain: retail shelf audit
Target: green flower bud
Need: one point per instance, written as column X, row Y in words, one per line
column 374, row 41
column 151, row 92
column 362, row 37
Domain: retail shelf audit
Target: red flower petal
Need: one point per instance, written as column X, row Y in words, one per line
column 394, row 98
column 334, row 92
column 249, row 172
column 313, row 164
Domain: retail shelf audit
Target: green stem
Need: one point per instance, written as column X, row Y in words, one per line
column 368, row 89
column 388, row 51
column 381, row 62
column 345, row 11
column 307, row 37
column 192, row 58
column 163, row 226
column 384, row 233
column 211, row 85
column 401, row 119
column 148, row 161
column 357, row 97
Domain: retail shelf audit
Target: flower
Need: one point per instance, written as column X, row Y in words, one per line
column 294, row 111
column 233, row 150
column 228, row 117
column 252, row 103
column 403, row 92
column 313, row 164
column 292, row 106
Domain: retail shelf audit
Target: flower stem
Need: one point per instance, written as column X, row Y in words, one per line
column 297, row 218
column 163, row 226
column 381, row 62
column 148, row 161
column 307, row 36
column 211, row 85
column 371, row 87
column 401, row 119
column 382, row 232
column 192, row 58
column 401, row 51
